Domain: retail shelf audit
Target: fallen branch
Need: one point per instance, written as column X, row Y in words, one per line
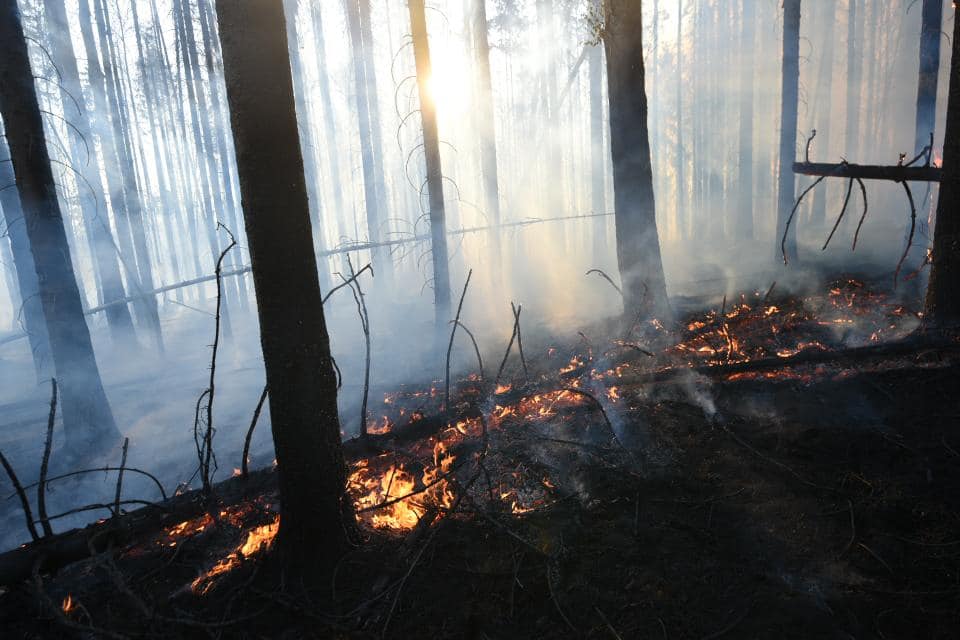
column 123, row 464
column 24, row 503
column 869, row 172
column 603, row 274
column 913, row 227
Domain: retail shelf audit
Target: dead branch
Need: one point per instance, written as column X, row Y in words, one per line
column 249, row 436
column 503, row 363
column 863, row 216
column 24, row 503
column 123, row 464
column 603, row 274
column 453, row 332
column 913, row 227
column 843, row 210
column 163, row 494
column 516, row 320
column 45, row 462
column 476, row 347
column 898, row 173
column 361, row 303
column 793, row 212
column 347, row 282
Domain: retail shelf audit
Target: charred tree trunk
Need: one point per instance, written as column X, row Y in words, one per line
column 638, row 243
column 29, row 313
column 789, row 87
column 88, row 420
column 102, row 247
column 943, row 292
column 488, row 131
column 317, row 523
column 931, row 20
column 743, row 229
column 431, row 149
column 853, row 80
column 598, row 161
column 681, row 178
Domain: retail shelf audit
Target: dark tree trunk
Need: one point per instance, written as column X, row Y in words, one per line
column 487, row 128
column 788, row 126
column 681, row 213
column 431, row 149
column 88, row 421
column 943, row 292
column 638, row 244
column 931, row 20
column 317, row 523
column 102, row 247
column 743, row 229
column 28, row 315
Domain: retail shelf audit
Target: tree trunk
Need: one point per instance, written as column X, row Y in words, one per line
column 87, row 418
column 743, row 229
column 854, row 53
column 681, row 179
column 929, row 70
column 788, row 126
column 28, row 315
column 598, row 161
column 372, row 165
column 943, row 292
column 102, row 248
column 431, row 149
column 487, row 129
column 316, row 520
column 638, row 244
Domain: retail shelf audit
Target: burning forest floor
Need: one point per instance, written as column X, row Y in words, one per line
column 776, row 467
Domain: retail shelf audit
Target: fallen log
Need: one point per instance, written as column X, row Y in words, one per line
column 894, row 173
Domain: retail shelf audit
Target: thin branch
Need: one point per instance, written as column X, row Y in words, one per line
column 856, row 235
column 123, row 464
column 453, row 332
column 846, row 201
column 786, row 227
column 603, row 274
column 45, row 462
column 24, row 503
column 253, row 425
column 913, row 228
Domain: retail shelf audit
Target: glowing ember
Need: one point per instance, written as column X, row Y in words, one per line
column 259, row 538
column 503, row 388
column 68, row 604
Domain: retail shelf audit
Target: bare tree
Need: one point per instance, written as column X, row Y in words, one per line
column 638, row 243
column 789, row 93
column 87, row 418
column 317, row 521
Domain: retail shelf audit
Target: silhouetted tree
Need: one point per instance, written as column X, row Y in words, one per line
column 789, row 87
column 638, row 243
column 317, row 523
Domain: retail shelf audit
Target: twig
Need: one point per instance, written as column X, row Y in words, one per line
column 24, row 503
column 913, row 227
column 813, row 134
column 853, row 531
column 163, row 494
column 249, row 437
column 846, row 201
column 769, row 291
column 603, row 274
column 346, row 282
column 476, row 347
column 516, row 319
column 863, row 216
column 607, row 622
column 45, row 462
column 776, row 463
column 556, row 603
column 727, row 629
column 123, row 464
column 361, row 303
column 503, row 363
column 793, row 212
column 453, row 332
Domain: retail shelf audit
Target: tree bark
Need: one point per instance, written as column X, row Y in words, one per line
column 431, row 148
column 853, row 80
column 488, row 130
column 87, row 418
column 943, row 292
column 638, row 243
column 788, row 126
column 598, row 160
column 317, row 522
column 931, row 20
column 824, row 106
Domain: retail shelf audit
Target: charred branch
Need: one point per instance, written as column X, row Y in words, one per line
column 895, row 173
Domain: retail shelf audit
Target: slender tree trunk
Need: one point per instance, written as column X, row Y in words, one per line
column 824, row 107
column 681, row 160
column 317, row 524
column 487, row 129
column 88, row 421
column 638, row 244
column 372, row 165
column 102, row 247
column 929, row 71
column 744, row 219
column 854, row 53
column 598, row 160
column 788, row 126
column 431, row 148
column 28, row 315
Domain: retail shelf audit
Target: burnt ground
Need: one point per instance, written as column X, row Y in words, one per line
column 825, row 508
column 726, row 500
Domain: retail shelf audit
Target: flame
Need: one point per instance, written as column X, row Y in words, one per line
column 613, row 393
column 68, row 604
column 575, row 363
column 502, row 388
column 258, row 539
